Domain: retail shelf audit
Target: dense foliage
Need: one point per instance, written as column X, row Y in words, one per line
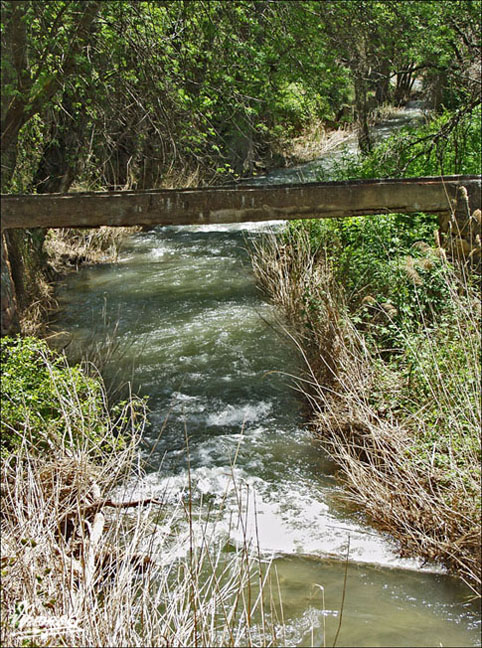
column 391, row 276
column 46, row 401
column 126, row 93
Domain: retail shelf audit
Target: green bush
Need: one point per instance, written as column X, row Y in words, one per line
column 44, row 399
column 447, row 145
column 392, row 278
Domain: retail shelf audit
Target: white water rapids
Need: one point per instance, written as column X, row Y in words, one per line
column 210, row 354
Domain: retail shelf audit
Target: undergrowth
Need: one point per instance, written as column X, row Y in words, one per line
column 45, row 400
column 392, row 350
column 393, row 276
column 448, row 144
column 85, row 559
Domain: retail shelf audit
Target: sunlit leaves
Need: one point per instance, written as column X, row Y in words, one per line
column 241, row 75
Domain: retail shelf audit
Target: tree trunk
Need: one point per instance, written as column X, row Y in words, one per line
column 9, row 161
column 9, row 312
column 361, row 107
column 360, row 76
column 404, row 85
column 22, row 106
column 436, row 85
column 382, row 90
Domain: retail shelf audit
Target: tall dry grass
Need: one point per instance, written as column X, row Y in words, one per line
column 86, row 562
column 315, row 140
column 68, row 248
column 409, row 453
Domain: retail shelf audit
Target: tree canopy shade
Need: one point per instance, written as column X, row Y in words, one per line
column 143, row 94
column 126, row 93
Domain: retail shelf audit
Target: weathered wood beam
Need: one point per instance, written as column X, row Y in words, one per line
column 235, row 204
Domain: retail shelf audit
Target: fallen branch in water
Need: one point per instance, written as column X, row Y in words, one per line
column 88, row 513
column 95, row 506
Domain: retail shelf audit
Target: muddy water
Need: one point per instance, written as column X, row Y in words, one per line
column 197, row 337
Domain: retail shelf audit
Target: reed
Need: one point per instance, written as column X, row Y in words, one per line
column 86, row 562
column 405, row 433
column 70, row 248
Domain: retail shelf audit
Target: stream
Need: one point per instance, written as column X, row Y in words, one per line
column 198, row 339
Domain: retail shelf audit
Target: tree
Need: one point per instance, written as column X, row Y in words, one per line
column 42, row 45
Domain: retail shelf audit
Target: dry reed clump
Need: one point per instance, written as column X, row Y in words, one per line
column 305, row 290
column 87, row 563
column 408, row 453
column 423, row 493
column 70, row 248
column 315, row 140
column 110, row 577
column 41, row 302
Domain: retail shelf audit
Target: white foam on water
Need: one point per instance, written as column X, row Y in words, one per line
column 144, row 250
column 160, row 251
column 247, row 413
column 180, row 397
column 283, row 520
column 260, row 226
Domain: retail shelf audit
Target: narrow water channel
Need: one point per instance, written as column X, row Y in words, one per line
column 198, row 339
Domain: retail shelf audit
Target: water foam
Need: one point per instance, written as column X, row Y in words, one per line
column 246, row 413
column 276, row 521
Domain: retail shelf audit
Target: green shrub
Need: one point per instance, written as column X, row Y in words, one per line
column 392, row 278
column 447, row 145
column 44, row 399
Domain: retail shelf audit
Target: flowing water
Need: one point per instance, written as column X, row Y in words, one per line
column 198, row 338
column 322, row 167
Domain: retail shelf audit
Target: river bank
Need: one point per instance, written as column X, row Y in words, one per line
column 403, row 431
column 390, row 333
